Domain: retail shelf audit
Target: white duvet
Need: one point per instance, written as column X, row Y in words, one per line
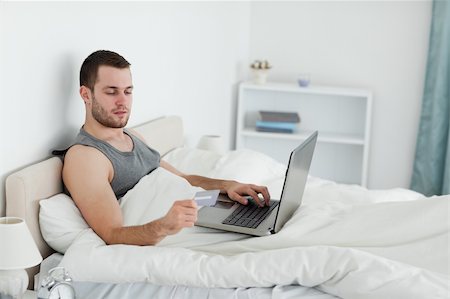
column 345, row 240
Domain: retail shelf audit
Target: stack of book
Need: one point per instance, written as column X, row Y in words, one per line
column 278, row 122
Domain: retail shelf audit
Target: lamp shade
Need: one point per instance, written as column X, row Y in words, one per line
column 17, row 249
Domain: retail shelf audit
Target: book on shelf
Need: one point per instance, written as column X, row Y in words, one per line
column 278, row 116
column 276, row 125
column 274, row 130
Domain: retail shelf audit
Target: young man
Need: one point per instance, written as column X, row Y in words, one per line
column 107, row 160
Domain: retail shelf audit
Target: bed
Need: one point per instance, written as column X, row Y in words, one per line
column 345, row 241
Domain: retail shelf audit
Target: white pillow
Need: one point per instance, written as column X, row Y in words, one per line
column 60, row 221
column 192, row 160
column 248, row 166
column 243, row 165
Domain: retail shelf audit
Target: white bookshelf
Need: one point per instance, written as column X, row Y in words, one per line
column 341, row 115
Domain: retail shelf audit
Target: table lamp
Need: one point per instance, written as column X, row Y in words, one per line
column 17, row 252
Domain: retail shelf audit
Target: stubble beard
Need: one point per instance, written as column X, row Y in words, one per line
column 101, row 116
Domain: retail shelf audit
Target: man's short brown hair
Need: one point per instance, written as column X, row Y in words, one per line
column 89, row 68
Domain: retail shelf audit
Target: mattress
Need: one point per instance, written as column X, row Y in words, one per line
column 91, row 290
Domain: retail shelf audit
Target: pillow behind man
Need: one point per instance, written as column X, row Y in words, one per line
column 60, row 221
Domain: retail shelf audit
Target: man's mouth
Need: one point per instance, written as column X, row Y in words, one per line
column 120, row 112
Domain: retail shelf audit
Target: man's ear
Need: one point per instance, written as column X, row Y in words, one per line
column 85, row 94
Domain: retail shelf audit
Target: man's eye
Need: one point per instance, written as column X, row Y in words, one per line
column 128, row 92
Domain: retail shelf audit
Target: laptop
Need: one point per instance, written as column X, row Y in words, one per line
column 231, row 216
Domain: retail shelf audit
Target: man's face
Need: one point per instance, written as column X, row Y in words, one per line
column 112, row 97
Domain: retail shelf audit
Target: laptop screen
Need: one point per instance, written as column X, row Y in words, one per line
column 295, row 181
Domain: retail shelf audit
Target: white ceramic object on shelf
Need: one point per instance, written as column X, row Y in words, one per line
column 212, row 143
column 260, row 76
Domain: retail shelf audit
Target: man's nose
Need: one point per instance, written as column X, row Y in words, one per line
column 121, row 98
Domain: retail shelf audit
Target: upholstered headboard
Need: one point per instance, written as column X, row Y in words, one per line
column 26, row 187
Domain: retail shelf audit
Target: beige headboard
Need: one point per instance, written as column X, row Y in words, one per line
column 26, row 187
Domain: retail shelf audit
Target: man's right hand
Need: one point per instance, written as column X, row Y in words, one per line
column 183, row 213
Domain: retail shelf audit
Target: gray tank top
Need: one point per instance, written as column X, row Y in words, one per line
column 129, row 167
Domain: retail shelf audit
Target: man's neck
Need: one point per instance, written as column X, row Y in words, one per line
column 104, row 133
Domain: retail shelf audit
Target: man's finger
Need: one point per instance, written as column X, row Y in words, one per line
column 189, row 211
column 191, row 218
column 255, row 197
column 264, row 192
column 190, row 203
column 240, row 199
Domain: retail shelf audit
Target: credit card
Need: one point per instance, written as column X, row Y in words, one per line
column 206, row 198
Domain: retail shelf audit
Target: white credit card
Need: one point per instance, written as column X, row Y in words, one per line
column 206, row 198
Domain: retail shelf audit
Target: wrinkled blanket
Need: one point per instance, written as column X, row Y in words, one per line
column 345, row 240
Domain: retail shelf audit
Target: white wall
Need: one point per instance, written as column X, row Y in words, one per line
column 381, row 46
column 186, row 59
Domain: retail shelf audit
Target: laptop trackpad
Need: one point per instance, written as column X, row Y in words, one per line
column 224, row 204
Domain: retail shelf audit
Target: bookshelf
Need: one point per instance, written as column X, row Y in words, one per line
column 341, row 115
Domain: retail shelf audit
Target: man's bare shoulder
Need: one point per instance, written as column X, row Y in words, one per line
column 87, row 160
column 80, row 153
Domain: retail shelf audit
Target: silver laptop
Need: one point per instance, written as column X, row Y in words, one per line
column 261, row 221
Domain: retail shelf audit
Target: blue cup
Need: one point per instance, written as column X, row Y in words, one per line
column 303, row 80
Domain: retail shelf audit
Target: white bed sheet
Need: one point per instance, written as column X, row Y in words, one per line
column 92, row 290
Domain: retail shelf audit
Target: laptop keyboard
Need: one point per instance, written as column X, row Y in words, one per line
column 250, row 215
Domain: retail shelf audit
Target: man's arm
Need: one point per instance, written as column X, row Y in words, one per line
column 233, row 189
column 87, row 174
